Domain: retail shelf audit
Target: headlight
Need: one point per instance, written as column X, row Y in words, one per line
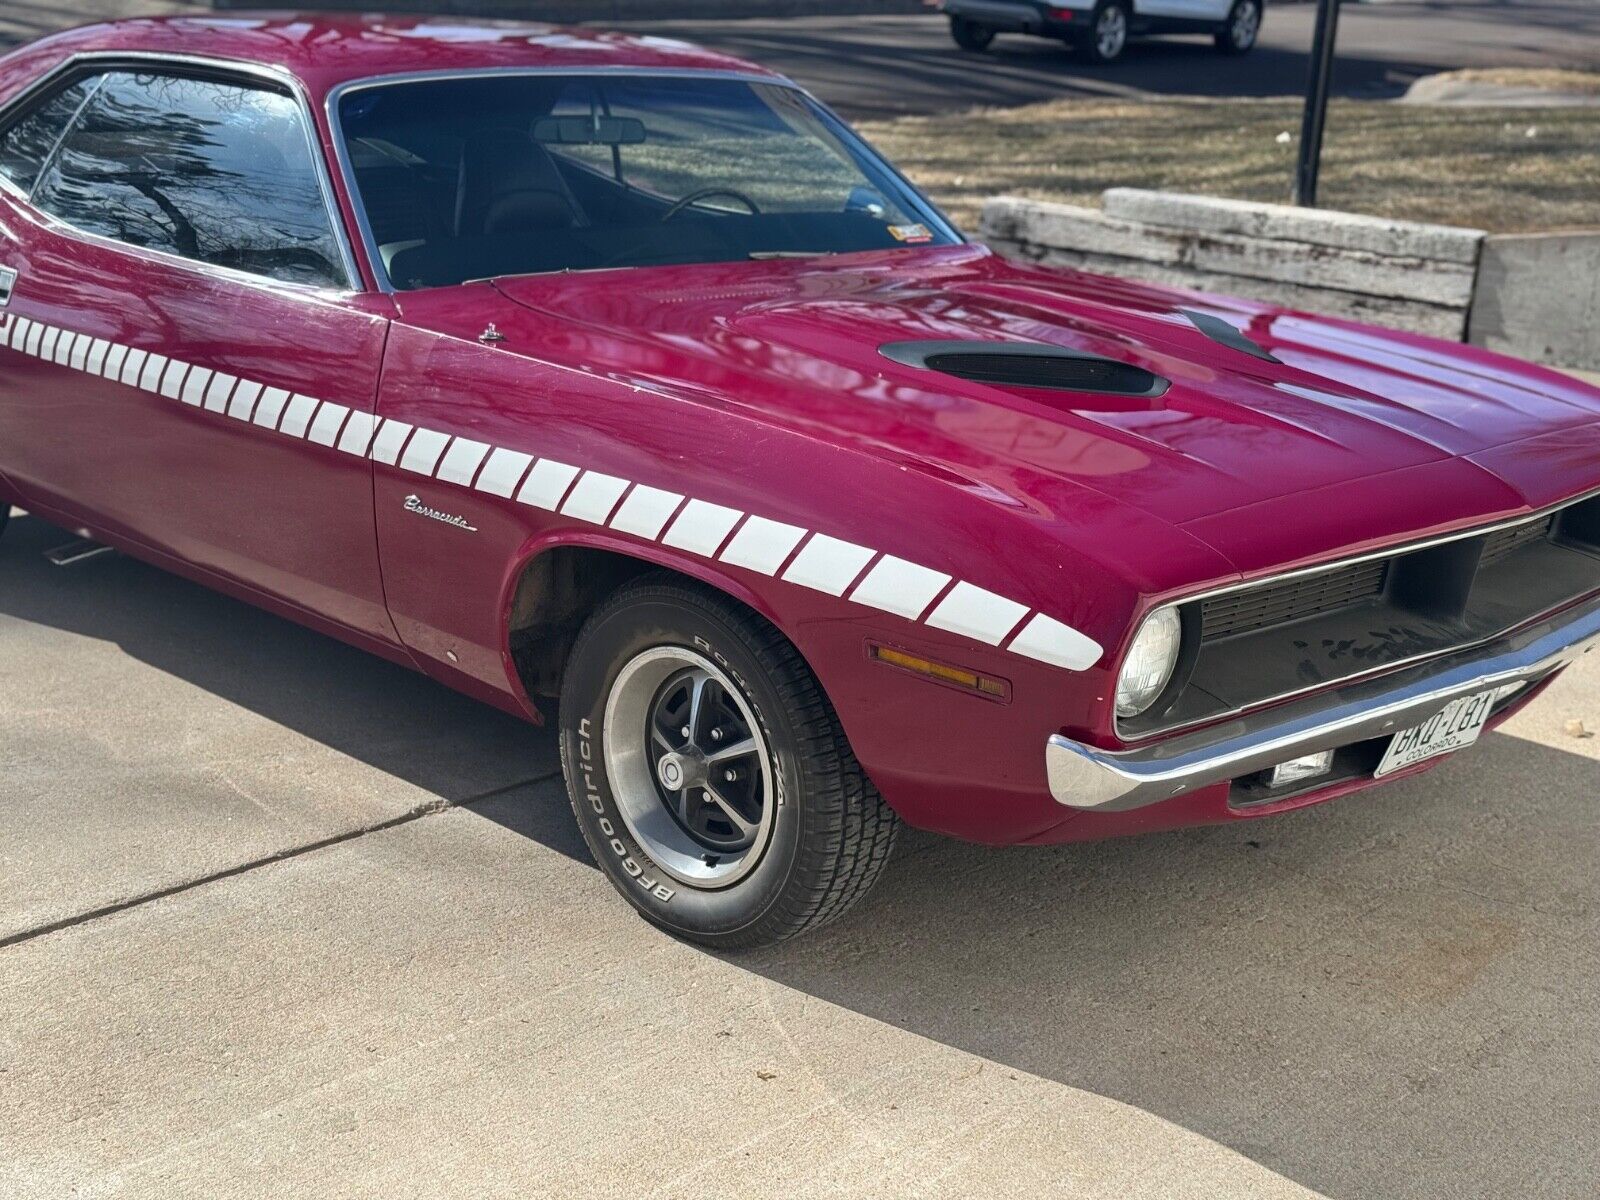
column 1150, row 662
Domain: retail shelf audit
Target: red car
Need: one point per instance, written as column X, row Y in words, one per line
column 558, row 364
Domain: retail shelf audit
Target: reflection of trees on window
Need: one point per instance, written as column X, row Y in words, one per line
column 25, row 145
column 211, row 171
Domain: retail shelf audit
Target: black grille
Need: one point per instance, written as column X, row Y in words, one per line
column 1278, row 604
column 1505, row 542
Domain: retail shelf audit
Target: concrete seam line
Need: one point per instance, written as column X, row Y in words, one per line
column 437, row 805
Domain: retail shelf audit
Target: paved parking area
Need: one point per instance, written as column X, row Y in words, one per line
column 1390, row 996
column 887, row 66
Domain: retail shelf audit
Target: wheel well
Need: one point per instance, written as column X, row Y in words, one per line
column 556, row 593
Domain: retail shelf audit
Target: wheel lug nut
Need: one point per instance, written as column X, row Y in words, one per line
column 730, row 776
column 684, row 731
column 716, row 735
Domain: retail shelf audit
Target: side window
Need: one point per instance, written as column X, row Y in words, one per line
column 27, row 143
column 211, row 171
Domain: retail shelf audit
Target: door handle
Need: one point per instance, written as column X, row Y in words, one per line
column 8, row 280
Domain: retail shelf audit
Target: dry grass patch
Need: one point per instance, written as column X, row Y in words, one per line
column 1502, row 169
column 1548, row 79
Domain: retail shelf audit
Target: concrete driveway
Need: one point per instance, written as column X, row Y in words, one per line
column 279, row 918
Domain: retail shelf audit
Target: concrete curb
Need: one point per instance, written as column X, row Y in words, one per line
column 1347, row 231
column 1406, row 274
column 1536, row 296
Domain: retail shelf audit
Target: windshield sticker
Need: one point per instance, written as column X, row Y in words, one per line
column 911, row 233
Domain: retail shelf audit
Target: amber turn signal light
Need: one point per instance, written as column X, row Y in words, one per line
column 986, row 686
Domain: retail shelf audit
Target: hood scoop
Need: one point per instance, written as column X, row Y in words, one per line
column 1027, row 364
column 1224, row 334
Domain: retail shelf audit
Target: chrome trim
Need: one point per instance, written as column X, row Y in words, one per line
column 341, row 151
column 227, row 66
column 1265, row 581
column 1087, row 778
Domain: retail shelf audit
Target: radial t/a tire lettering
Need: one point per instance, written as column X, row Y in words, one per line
column 708, row 771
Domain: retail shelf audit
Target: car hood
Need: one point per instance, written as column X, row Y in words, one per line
column 1399, row 431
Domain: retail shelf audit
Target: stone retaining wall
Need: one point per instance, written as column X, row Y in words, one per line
column 1396, row 273
column 1533, row 295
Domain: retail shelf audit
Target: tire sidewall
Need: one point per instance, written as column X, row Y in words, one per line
column 612, row 640
column 1090, row 46
column 970, row 35
column 1234, row 16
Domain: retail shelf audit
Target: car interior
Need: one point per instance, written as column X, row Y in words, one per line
column 464, row 180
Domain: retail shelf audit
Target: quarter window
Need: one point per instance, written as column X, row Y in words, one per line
column 27, row 144
column 210, row 171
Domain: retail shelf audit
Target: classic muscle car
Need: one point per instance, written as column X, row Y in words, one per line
column 564, row 365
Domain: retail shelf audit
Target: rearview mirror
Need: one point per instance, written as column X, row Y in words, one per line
column 589, row 131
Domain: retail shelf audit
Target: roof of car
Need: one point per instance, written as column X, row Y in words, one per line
column 326, row 49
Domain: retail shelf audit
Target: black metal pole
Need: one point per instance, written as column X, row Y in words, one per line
column 1316, row 115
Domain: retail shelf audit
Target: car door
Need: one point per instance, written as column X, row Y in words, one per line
column 185, row 362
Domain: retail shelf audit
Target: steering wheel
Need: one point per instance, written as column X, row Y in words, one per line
column 705, row 194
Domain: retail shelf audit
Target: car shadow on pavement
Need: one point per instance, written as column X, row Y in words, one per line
column 1390, row 995
column 374, row 711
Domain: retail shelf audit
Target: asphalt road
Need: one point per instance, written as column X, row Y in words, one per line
column 890, row 66
column 280, row 918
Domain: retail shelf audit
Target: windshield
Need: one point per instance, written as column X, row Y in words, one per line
column 471, row 178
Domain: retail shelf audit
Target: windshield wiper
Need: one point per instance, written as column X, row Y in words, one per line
column 792, row 253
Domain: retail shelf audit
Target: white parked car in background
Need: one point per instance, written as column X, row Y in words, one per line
column 1099, row 29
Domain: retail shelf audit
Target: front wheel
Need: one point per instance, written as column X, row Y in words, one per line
column 709, row 773
column 970, row 35
column 1108, row 33
column 1239, row 32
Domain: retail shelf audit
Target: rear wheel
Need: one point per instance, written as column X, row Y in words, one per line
column 1108, row 33
column 970, row 35
column 1243, row 26
column 709, row 773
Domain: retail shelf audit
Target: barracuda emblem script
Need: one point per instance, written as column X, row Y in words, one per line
column 414, row 505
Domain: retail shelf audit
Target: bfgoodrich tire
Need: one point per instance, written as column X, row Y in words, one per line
column 709, row 773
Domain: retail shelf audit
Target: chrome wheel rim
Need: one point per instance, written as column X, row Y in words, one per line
column 1246, row 25
column 1111, row 32
column 689, row 767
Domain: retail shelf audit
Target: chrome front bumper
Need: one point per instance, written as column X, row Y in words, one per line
column 1083, row 777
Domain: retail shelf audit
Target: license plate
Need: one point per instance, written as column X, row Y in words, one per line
column 1457, row 725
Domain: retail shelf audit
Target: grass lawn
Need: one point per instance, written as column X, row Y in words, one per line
column 1501, row 169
